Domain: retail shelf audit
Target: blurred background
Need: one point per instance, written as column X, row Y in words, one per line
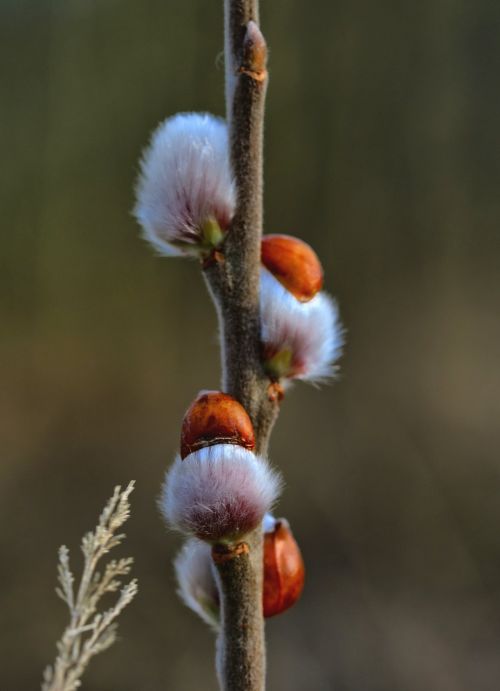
column 382, row 151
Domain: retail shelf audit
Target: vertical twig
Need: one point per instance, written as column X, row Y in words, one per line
column 234, row 282
column 234, row 285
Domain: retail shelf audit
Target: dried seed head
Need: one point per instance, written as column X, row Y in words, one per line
column 215, row 418
column 299, row 340
column 219, row 493
column 283, row 569
column 294, row 264
column 185, row 192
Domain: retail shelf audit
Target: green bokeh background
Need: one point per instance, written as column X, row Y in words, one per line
column 382, row 151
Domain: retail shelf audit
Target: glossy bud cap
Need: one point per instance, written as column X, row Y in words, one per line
column 215, row 418
column 294, row 264
column 284, row 571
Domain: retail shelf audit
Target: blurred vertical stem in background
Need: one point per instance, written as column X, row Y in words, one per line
column 234, row 285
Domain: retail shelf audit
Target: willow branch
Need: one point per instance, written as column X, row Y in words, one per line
column 234, row 285
column 241, row 647
column 234, row 282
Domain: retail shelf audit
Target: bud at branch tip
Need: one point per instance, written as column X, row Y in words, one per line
column 254, row 53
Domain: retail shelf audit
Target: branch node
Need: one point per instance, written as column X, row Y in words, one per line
column 276, row 392
column 215, row 257
column 224, row 553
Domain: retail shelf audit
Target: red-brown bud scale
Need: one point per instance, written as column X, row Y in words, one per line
column 215, row 418
column 294, row 264
column 284, row 571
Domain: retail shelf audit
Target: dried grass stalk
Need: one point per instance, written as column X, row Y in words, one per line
column 91, row 631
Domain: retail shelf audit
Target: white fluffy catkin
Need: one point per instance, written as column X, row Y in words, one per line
column 185, row 181
column 310, row 331
column 197, row 586
column 219, row 493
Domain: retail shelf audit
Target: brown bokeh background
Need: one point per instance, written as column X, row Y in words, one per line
column 382, row 151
